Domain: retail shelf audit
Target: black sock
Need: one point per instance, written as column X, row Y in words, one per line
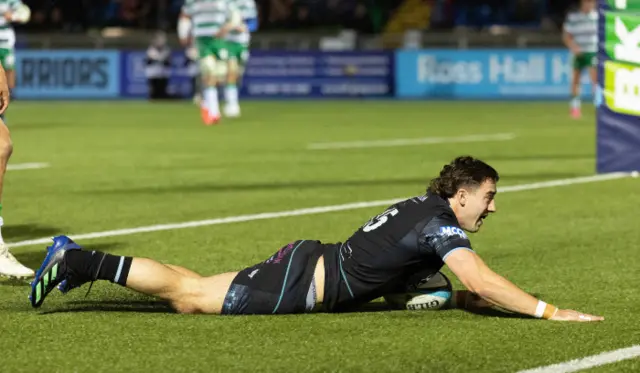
column 96, row 265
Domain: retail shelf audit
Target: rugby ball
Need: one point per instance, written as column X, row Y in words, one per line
column 235, row 18
column 21, row 14
column 430, row 293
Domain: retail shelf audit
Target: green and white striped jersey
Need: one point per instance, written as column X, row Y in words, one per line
column 207, row 16
column 7, row 36
column 247, row 9
column 584, row 29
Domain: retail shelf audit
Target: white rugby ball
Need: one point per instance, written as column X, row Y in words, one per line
column 235, row 17
column 431, row 293
column 22, row 14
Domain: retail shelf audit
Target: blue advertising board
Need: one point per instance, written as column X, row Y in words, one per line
column 444, row 74
column 486, row 74
column 318, row 74
column 67, row 74
column 133, row 81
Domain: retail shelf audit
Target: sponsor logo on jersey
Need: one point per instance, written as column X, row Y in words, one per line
column 279, row 256
column 452, row 231
column 345, row 251
column 253, row 273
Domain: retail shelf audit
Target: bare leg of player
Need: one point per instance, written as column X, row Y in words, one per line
column 9, row 265
column 183, row 271
column 197, row 90
column 68, row 266
column 186, row 293
column 232, row 107
column 210, row 110
column 6, row 149
column 11, row 78
column 576, row 111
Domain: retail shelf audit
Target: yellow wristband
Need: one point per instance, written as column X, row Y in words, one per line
column 549, row 312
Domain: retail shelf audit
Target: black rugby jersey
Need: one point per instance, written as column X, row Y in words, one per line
column 409, row 239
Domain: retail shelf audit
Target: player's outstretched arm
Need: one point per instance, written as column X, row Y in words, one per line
column 481, row 280
column 467, row 300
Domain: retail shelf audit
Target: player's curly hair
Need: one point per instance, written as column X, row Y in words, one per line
column 464, row 171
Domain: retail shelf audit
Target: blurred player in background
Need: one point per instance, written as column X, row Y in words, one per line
column 580, row 35
column 204, row 19
column 13, row 11
column 237, row 32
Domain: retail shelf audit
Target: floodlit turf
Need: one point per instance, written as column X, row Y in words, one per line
column 121, row 165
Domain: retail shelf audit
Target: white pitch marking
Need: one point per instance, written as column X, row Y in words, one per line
column 589, row 361
column 407, row 142
column 26, row 166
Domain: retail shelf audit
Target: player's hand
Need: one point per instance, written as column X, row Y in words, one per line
column 8, row 16
column 571, row 315
column 223, row 31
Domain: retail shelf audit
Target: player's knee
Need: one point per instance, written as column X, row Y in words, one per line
column 189, row 298
column 208, row 69
column 232, row 72
column 185, row 308
column 11, row 77
column 221, row 70
column 6, row 146
column 232, row 78
column 208, row 65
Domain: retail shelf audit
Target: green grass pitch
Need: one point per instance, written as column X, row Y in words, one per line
column 121, row 165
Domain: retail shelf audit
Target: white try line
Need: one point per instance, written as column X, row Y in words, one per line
column 407, row 142
column 306, row 211
column 589, row 361
column 26, row 166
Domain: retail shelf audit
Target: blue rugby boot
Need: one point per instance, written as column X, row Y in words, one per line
column 53, row 270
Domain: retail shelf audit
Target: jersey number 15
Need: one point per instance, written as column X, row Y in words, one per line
column 379, row 220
